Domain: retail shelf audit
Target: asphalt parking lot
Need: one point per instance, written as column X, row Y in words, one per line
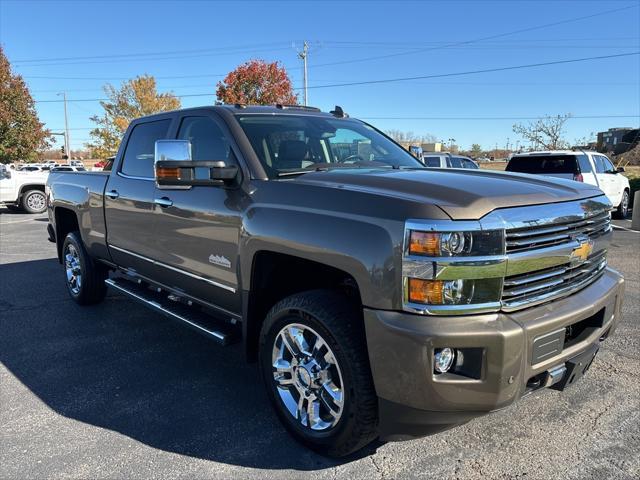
column 115, row 391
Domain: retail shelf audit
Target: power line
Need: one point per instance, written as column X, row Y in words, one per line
column 498, row 118
column 401, row 79
column 145, row 54
column 473, row 72
column 412, row 51
column 181, row 57
column 489, row 37
column 458, row 118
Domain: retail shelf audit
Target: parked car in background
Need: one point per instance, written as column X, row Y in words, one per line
column 23, row 190
column 69, row 168
column 447, row 160
column 582, row 166
column 30, row 168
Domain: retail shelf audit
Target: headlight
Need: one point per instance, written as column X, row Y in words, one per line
column 452, row 270
column 453, row 292
column 446, row 244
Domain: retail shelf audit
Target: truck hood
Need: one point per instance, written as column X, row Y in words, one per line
column 461, row 194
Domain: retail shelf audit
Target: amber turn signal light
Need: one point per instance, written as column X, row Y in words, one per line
column 424, row 243
column 426, row 291
column 164, row 173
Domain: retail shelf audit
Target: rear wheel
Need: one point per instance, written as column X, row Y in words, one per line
column 85, row 278
column 34, row 201
column 315, row 366
column 623, row 208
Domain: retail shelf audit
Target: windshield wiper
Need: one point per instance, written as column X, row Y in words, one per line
column 302, row 172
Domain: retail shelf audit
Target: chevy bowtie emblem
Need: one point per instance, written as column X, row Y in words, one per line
column 583, row 251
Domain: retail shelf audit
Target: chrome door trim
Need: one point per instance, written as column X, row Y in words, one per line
column 133, row 177
column 183, row 272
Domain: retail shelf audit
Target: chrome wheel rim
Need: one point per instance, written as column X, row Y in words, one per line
column 625, row 203
column 72, row 268
column 307, row 377
column 36, row 201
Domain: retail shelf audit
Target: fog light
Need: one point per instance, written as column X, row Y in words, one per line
column 443, row 359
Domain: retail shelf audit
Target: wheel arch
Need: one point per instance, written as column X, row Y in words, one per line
column 276, row 275
column 28, row 187
column 66, row 222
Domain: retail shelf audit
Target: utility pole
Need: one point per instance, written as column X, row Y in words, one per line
column 67, row 143
column 303, row 55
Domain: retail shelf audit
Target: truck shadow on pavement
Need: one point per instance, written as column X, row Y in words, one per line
column 121, row 367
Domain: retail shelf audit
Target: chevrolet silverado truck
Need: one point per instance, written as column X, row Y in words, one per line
column 380, row 299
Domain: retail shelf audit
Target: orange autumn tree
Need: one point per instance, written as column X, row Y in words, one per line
column 257, row 82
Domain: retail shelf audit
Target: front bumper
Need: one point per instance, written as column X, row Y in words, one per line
column 414, row 401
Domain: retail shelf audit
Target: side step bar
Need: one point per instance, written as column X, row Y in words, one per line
column 190, row 316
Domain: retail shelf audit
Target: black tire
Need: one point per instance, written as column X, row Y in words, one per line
column 91, row 289
column 338, row 321
column 623, row 209
column 34, row 201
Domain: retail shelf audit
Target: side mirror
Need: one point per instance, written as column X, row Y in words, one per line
column 175, row 169
column 620, row 169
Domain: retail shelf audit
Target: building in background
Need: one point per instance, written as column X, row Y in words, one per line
column 611, row 140
column 432, row 147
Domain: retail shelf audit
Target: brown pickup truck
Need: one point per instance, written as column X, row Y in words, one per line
column 380, row 298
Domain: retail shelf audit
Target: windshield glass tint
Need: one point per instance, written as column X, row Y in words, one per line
column 551, row 164
column 289, row 143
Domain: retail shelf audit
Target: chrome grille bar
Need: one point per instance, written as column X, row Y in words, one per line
column 538, row 287
column 534, row 237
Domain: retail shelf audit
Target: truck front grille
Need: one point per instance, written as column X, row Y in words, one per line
column 533, row 288
column 541, row 236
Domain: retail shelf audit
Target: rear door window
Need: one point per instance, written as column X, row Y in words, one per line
column 140, row 151
column 547, row 164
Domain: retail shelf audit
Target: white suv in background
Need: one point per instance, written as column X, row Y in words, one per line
column 447, row 160
column 582, row 166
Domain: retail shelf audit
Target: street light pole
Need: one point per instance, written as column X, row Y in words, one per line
column 67, row 140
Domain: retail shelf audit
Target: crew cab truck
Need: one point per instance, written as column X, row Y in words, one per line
column 23, row 190
column 380, row 298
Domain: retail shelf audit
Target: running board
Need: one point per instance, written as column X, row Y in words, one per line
column 190, row 316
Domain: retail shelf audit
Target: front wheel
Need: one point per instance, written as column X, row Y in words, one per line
column 315, row 366
column 623, row 208
column 34, row 201
column 85, row 277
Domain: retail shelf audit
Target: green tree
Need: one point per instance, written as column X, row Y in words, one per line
column 135, row 98
column 476, row 150
column 21, row 133
column 257, row 82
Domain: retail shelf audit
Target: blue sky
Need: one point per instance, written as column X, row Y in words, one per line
column 77, row 46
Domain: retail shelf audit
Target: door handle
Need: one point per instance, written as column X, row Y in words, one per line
column 164, row 202
column 113, row 194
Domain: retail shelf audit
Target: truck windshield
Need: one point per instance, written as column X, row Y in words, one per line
column 288, row 144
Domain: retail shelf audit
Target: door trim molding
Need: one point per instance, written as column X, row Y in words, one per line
column 177, row 270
